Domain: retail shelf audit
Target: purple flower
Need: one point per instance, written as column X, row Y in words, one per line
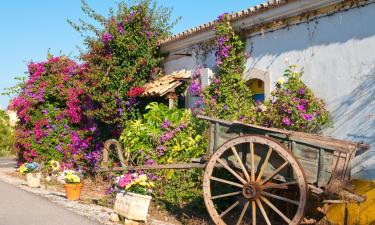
column 195, row 88
column 107, row 37
column 160, row 149
column 301, row 108
column 222, row 16
column 225, row 107
column 120, row 27
column 166, row 124
column 45, row 112
column 120, row 111
column 150, row 162
column 307, row 117
column 286, row 121
column 303, row 102
column 301, row 91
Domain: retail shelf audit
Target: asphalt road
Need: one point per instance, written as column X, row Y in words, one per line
column 18, row 207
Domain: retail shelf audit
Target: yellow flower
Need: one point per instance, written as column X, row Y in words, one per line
column 150, row 184
column 143, row 183
column 138, row 180
column 281, row 81
column 22, row 169
column 55, row 165
column 143, row 177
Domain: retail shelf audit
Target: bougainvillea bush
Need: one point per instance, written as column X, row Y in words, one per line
column 122, row 56
column 50, row 108
column 294, row 106
column 228, row 97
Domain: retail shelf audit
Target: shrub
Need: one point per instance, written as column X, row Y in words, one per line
column 122, row 56
column 294, row 106
column 165, row 136
column 50, row 108
column 7, row 139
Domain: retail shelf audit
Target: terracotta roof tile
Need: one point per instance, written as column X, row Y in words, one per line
column 165, row 84
column 233, row 17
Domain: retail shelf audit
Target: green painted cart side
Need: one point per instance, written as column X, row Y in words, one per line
column 324, row 159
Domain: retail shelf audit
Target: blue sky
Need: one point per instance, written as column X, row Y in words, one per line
column 29, row 29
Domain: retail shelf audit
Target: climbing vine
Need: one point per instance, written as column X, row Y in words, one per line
column 228, row 97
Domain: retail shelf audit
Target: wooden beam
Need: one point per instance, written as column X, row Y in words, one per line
column 156, row 167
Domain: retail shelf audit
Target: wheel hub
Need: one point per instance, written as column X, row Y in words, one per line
column 251, row 190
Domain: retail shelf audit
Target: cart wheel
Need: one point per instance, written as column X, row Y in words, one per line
column 254, row 179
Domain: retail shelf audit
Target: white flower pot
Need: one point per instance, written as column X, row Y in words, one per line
column 132, row 206
column 33, row 179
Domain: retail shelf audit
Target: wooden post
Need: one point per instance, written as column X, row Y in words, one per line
column 171, row 96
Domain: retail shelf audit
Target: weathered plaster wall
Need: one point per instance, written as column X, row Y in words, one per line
column 338, row 56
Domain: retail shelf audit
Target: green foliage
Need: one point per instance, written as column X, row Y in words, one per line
column 7, row 138
column 165, row 136
column 122, row 54
column 228, row 97
column 294, row 106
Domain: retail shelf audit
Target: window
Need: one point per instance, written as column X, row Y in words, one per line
column 257, row 88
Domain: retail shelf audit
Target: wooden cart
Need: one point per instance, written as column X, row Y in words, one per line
column 259, row 175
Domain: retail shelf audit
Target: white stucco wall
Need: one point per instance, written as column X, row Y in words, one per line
column 338, row 56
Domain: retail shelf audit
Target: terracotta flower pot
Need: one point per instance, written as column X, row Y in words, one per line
column 33, row 179
column 73, row 191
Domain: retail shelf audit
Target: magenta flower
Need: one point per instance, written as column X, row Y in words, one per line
column 286, row 121
column 301, row 108
column 107, row 37
column 195, row 88
column 308, row 117
column 166, row 124
column 120, row 27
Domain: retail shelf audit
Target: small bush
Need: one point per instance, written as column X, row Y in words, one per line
column 165, row 136
column 7, row 138
column 294, row 106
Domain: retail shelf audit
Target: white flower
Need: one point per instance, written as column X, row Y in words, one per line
column 263, row 107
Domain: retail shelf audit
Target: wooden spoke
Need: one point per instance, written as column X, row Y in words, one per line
column 227, row 182
column 263, row 212
column 275, row 209
column 275, row 172
column 252, row 161
column 254, row 212
column 260, row 180
column 244, row 170
column 231, row 171
column 264, row 166
column 226, row 195
column 280, row 198
column 279, row 186
column 229, row 209
column 243, row 213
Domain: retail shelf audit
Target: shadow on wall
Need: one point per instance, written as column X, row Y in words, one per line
column 358, row 108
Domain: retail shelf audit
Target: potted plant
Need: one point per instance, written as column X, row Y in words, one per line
column 73, row 184
column 33, row 174
column 133, row 198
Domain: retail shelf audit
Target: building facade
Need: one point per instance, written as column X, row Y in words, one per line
column 333, row 40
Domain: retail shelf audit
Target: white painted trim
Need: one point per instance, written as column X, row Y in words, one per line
column 291, row 9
